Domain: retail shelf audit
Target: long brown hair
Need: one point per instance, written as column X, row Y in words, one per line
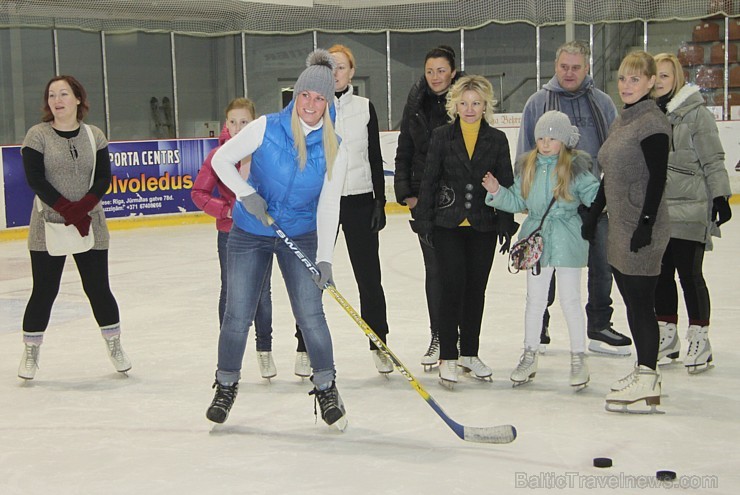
column 79, row 91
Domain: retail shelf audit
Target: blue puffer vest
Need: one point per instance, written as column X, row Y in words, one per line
column 292, row 194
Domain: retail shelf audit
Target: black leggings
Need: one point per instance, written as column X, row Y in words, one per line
column 638, row 292
column 47, row 275
column 686, row 257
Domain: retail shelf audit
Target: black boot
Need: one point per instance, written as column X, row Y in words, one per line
column 332, row 407
column 222, row 401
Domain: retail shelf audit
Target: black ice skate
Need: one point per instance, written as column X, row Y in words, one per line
column 222, row 401
column 609, row 341
column 332, row 407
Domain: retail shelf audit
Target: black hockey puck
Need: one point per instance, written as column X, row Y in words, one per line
column 602, row 462
column 666, row 475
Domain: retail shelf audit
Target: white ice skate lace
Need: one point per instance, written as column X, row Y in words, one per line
column 31, row 362
column 115, row 350
column 525, row 361
column 576, row 363
column 265, row 362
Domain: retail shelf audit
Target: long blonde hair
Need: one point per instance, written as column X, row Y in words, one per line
column 563, row 173
column 329, row 138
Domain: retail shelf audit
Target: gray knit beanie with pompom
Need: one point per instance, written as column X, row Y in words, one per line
column 318, row 76
column 556, row 125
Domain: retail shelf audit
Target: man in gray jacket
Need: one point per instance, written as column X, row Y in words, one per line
column 572, row 91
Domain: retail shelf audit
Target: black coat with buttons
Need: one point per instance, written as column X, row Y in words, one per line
column 451, row 188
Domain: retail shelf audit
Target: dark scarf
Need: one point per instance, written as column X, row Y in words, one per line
column 602, row 129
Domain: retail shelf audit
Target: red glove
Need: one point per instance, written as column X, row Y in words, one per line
column 83, row 225
column 78, row 210
column 62, row 204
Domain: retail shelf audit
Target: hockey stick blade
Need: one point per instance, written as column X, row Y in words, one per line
column 493, row 434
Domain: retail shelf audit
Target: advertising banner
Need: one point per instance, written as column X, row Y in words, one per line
column 148, row 177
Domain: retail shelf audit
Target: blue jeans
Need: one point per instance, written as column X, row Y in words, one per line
column 599, row 307
column 250, row 265
column 263, row 318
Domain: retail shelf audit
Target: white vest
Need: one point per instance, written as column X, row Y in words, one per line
column 353, row 114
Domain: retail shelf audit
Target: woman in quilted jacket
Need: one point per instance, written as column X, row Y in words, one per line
column 697, row 191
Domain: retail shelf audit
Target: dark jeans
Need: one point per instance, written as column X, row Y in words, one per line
column 263, row 317
column 47, row 273
column 686, row 257
column 599, row 306
column 465, row 257
column 638, row 293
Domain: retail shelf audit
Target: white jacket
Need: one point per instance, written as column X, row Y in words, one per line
column 353, row 115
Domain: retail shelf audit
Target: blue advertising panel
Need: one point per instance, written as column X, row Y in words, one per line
column 148, row 177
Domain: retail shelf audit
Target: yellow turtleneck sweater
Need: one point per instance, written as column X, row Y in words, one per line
column 470, row 136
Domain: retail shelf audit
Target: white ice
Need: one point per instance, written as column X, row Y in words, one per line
column 80, row 428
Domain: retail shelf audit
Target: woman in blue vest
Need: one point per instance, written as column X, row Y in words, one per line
column 296, row 177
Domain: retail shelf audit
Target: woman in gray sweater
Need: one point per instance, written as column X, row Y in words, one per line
column 634, row 159
column 59, row 160
column 697, row 192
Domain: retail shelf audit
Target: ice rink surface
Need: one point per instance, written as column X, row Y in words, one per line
column 80, row 428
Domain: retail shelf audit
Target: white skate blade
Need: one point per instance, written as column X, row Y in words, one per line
column 449, row 385
column 480, row 378
column 579, row 386
column 429, row 367
column 666, row 361
column 698, row 369
column 633, row 407
column 519, row 384
column 341, row 423
column 542, row 349
column 608, row 350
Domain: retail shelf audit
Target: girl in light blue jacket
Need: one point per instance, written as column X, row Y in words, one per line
column 552, row 170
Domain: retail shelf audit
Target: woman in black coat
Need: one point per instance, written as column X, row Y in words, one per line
column 425, row 110
column 453, row 219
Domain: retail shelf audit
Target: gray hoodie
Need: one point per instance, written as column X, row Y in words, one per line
column 576, row 106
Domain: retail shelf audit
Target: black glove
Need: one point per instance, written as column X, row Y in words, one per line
column 377, row 218
column 588, row 229
column 504, row 238
column 427, row 238
column 721, row 208
column 590, row 219
column 643, row 234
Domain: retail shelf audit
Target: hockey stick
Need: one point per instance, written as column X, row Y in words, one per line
column 491, row 434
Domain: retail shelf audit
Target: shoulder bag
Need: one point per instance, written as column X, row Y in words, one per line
column 526, row 253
